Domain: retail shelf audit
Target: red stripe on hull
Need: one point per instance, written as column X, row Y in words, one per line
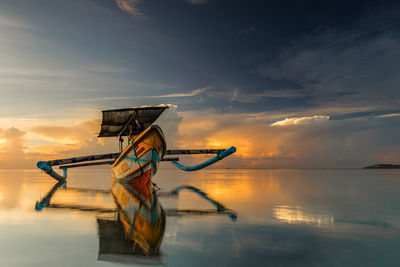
column 140, row 183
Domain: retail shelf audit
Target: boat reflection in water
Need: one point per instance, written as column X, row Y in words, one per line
column 137, row 228
column 133, row 231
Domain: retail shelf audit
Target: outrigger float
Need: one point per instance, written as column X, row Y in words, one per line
column 141, row 157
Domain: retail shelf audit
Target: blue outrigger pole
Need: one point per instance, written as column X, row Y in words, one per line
column 46, row 166
column 47, row 169
column 219, row 156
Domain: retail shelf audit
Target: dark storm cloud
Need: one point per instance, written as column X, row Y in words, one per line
column 263, row 56
column 353, row 62
column 341, row 68
column 257, row 56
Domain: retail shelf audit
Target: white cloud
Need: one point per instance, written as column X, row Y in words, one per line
column 389, row 115
column 301, row 120
column 192, row 93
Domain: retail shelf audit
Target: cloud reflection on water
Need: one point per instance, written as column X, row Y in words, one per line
column 296, row 214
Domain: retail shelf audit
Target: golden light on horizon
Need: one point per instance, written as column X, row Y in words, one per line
column 246, row 144
column 241, row 188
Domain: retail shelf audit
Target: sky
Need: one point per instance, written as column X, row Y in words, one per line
column 291, row 84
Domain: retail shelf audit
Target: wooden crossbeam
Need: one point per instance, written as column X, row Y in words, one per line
column 170, row 159
column 109, row 162
column 193, row 151
column 81, row 159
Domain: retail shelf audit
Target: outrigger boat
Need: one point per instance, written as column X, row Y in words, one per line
column 141, row 157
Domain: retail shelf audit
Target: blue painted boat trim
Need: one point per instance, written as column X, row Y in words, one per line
column 206, row 163
column 47, row 169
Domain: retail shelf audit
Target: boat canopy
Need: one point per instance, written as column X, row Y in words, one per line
column 129, row 121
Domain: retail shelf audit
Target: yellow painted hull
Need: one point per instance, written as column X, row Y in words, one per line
column 141, row 157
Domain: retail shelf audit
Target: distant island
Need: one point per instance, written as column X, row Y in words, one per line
column 383, row 166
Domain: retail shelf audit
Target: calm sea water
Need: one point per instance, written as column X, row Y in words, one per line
column 284, row 218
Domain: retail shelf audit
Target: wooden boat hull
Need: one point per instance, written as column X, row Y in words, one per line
column 141, row 157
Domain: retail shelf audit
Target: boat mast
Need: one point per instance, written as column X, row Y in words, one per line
column 121, row 142
column 121, row 139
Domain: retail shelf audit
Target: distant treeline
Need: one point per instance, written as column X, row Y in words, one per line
column 383, row 166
